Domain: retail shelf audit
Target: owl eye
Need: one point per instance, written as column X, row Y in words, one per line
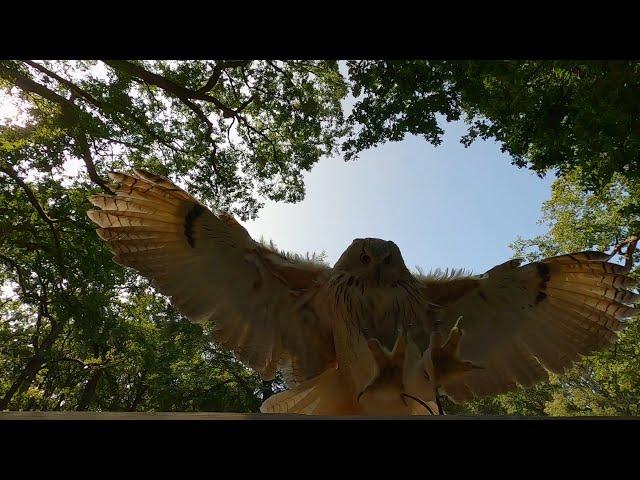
column 364, row 258
column 387, row 259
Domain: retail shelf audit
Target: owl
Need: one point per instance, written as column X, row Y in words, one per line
column 366, row 336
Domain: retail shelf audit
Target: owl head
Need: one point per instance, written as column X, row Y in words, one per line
column 374, row 262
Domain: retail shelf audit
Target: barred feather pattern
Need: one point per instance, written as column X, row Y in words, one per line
column 213, row 271
column 521, row 323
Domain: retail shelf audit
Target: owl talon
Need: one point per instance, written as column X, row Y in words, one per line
column 445, row 356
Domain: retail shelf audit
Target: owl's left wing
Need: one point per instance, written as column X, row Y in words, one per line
column 519, row 322
column 213, row 271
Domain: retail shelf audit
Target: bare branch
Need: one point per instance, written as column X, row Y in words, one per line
column 631, row 243
column 81, row 140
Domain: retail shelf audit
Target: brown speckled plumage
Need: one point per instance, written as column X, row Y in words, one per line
column 366, row 336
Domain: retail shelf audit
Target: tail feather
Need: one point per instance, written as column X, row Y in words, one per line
column 322, row 395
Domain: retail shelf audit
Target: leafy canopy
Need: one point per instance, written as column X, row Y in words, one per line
column 79, row 332
column 547, row 115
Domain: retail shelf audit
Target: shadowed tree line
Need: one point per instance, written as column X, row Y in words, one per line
column 79, row 332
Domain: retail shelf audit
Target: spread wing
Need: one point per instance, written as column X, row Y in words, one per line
column 520, row 322
column 212, row 270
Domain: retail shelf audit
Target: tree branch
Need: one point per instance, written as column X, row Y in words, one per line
column 167, row 85
column 29, row 85
column 79, row 92
column 34, row 87
column 39, row 210
column 250, row 127
column 631, row 243
column 20, row 278
column 217, row 71
column 213, row 79
column 184, row 94
column 81, row 140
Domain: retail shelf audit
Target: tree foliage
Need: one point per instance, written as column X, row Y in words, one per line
column 608, row 382
column 547, row 115
column 233, row 130
column 77, row 331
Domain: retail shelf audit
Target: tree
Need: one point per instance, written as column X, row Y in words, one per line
column 78, row 331
column 548, row 115
column 231, row 129
column 608, row 382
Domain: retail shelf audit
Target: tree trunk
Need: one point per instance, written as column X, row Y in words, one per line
column 24, row 379
column 89, row 390
column 141, row 389
column 138, row 399
column 34, row 365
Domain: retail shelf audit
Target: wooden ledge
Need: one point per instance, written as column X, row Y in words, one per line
column 257, row 416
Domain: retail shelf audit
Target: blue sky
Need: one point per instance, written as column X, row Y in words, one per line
column 445, row 206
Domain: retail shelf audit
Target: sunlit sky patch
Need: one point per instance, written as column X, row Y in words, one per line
column 445, row 206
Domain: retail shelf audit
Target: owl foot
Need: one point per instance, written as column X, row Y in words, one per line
column 398, row 386
column 390, row 363
column 445, row 356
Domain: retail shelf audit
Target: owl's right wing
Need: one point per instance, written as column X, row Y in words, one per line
column 520, row 322
column 212, row 270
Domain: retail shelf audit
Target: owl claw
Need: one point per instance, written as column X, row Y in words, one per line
column 468, row 366
column 445, row 356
